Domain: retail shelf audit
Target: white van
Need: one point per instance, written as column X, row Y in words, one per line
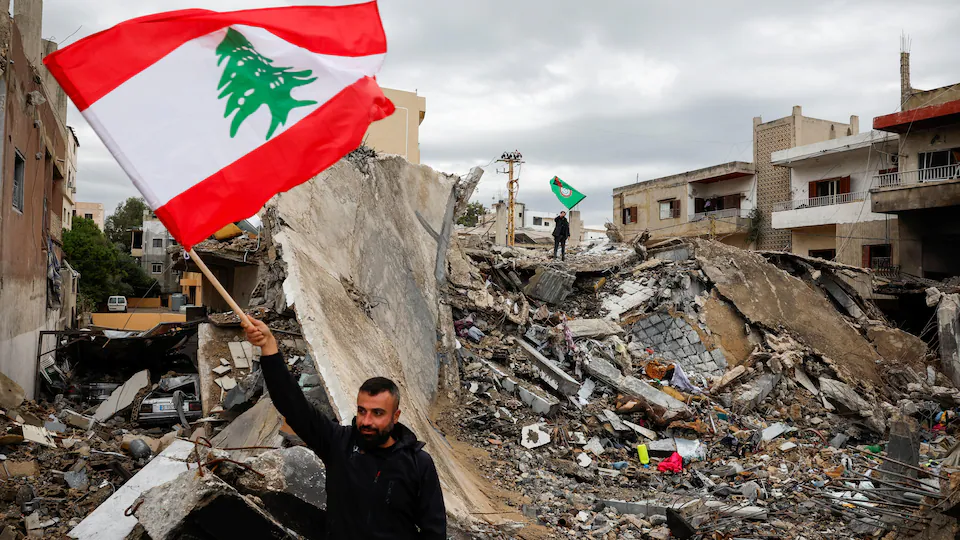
column 117, row 303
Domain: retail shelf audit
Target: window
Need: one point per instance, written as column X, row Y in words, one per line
column 158, row 242
column 826, row 254
column 538, row 221
column 670, row 209
column 157, row 268
column 171, row 242
column 877, row 257
column 713, row 204
column 826, row 191
column 946, row 160
column 137, row 240
column 629, row 215
column 88, row 216
column 19, row 164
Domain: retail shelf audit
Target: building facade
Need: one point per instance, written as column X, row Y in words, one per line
column 828, row 214
column 713, row 202
column 773, row 182
column 923, row 192
column 399, row 133
column 151, row 248
column 90, row 210
column 33, row 172
column 70, row 189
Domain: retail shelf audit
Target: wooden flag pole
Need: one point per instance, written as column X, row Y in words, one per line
column 244, row 321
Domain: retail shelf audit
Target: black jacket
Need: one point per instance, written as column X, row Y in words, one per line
column 383, row 493
column 561, row 228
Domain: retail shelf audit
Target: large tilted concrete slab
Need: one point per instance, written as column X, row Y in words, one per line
column 770, row 297
column 382, row 225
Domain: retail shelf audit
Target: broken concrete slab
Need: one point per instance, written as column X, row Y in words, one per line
column 534, row 436
column 747, row 400
column 78, row 420
column 537, row 399
column 801, row 377
column 122, row 398
column 551, row 285
column 259, row 426
column 385, row 225
column 658, row 405
column 37, row 435
column 108, row 521
column 897, row 346
column 615, row 422
column 768, row 296
column 948, row 321
column 845, row 396
column 594, row 328
column 194, row 506
column 222, row 370
column 11, row 393
column 291, row 486
column 14, row 469
column 550, row 372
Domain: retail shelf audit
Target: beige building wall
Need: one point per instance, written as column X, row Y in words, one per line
column 94, row 209
column 926, row 140
column 399, row 133
column 805, row 239
column 773, row 182
column 851, row 237
column 646, row 197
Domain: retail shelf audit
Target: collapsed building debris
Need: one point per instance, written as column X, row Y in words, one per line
column 638, row 390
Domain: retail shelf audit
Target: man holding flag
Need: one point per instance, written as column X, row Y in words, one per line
column 210, row 115
column 569, row 197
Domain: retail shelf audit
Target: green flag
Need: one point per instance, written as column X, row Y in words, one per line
column 565, row 192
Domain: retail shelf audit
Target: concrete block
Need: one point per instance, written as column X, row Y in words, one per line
column 550, row 285
column 194, row 506
column 719, row 357
column 693, row 336
column 123, row 396
column 291, row 487
column 549, row 372
column 594, row 328
column 538, row 400
column 948, row 320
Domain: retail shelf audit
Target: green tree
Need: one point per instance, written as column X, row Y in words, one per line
column 128, row 215
column 104, row 269
column 472, row 215
column 251, row 81
column 91, row 254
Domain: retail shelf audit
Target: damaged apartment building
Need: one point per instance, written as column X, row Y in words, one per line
column 37, row 287
column 732, row 202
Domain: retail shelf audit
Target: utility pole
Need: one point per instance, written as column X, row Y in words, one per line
column 511, row 158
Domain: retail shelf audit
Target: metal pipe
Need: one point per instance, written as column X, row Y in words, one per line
column 907, row 465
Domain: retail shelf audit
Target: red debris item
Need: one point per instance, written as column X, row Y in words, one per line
column 673, row 464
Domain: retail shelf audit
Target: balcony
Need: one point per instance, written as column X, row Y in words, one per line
column 906, row 178
column 827, row 200
column 934, row 187
column 826, row 210
column 721, row 214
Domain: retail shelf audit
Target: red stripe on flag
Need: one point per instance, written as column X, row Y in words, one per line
column 92, row 67
column 311, row 145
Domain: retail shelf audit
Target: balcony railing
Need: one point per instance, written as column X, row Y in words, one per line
column 933, row 174
column 883, row 266
column 720, row 214
column 826, row 200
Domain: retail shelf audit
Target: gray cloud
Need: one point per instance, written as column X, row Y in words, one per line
column 601, row 93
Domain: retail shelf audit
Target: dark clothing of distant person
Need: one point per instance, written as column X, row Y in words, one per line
column 372, row 493
column 561, row 231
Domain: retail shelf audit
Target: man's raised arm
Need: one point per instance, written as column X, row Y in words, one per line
column 311, row 425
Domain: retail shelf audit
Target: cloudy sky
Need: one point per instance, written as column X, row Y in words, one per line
column 601, row 93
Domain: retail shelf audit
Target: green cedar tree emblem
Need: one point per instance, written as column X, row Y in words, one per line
column 251, row 81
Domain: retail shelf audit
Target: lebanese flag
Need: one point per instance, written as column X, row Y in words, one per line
column 211, row 114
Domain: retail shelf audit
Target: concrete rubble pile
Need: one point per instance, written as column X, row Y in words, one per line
column 636, row 390
column 698, row 389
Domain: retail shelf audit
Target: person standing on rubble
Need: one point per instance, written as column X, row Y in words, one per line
column 561, row 231
column 380, row 482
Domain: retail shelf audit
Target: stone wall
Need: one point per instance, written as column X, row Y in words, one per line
column 674, row 339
